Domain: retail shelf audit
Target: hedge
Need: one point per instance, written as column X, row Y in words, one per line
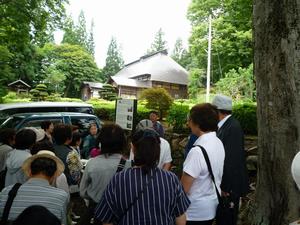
column 245, row 113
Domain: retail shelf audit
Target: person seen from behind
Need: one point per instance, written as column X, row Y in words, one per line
column 25, row 139
column 235, row 183
column 143, row 194
column 7, row 142
column 99, row 170
column 165, row 158
column 196, row 178
column 42, row 169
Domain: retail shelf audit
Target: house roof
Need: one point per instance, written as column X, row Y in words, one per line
column 97, row 85
column 159, row 66
column 123, row 81
column 19, row 81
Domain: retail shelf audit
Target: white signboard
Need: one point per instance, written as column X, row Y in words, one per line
column 125, row 111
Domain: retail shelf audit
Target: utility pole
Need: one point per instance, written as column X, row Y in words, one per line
column 208, row 60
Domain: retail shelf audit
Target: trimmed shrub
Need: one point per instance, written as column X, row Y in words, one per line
column 177, row 117
column 157, row 99
column 245, row 113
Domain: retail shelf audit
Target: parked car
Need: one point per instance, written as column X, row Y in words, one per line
column 9, row 109
column 21, row 120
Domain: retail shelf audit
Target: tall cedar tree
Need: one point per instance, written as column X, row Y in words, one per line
column 159, row 43
column 114, row 61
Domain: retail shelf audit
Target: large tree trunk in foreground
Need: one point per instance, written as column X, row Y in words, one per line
column 277, row 68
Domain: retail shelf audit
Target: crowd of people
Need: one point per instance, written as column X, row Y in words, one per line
column 42, row 172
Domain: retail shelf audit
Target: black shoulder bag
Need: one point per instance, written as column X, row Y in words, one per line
column 225, row 213
column 11, row 196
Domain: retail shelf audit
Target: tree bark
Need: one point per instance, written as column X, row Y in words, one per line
column 277, row 67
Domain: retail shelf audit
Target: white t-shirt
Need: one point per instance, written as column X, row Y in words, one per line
column 203, row 196
column 165, row 153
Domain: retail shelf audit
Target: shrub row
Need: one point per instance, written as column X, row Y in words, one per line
column 246, row 114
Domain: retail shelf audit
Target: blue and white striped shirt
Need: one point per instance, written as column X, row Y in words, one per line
column 36, row 192
column 161, row 202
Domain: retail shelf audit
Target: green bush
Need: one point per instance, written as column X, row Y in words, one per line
column 177, row 117
column 157, row 99
column 12, row 97
column 245, row 113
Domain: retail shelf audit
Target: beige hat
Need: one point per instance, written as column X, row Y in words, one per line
column 40, row 133
column 222, row 102
column 44, row 154
column 296, row 169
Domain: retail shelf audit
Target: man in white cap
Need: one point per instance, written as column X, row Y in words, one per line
column 42, row 169
column 296, row 169
column 235, row 179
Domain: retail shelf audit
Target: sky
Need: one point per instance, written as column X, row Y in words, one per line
column 133, row 23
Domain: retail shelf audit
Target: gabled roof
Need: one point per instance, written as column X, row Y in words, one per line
column 159, row 66
column 19, row 81
column 123, row 81
column 97, row 85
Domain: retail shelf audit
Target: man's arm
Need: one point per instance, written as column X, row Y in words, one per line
column 167, row 166
column 187, row 181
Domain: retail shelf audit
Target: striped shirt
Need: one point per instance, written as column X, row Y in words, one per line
column 36, row 192
column 161, row 202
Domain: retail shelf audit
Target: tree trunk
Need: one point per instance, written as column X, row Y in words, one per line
column 277, row 67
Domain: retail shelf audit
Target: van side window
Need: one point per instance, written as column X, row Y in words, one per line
column 37, row 123
column 83, row 123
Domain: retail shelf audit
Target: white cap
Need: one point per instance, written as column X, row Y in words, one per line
column 296, row 169
column 40, row 133
column 222, row 102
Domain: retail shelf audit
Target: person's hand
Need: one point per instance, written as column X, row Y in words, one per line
column 225, row 194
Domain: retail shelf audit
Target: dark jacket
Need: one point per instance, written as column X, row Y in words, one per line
column 62, row 151
column 235, row 177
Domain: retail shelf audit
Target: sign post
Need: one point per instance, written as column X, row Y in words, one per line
column 126, row 110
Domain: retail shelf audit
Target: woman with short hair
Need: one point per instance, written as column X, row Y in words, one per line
column 99, row 170
column 143, row 194
column 196, row 180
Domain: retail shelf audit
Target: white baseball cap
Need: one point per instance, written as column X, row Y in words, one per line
column 296, row 169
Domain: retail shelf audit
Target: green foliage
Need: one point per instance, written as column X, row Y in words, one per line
column 108, row 92
column 232, row 45
column 39, row 93
column 196, row 81
column 25, row 24
column 12, row 97
column 157, row 99
column 71, row 65
column 177, row 117
column 159, row 43
column 238, row 84
column 114, row 61
column 78, row 34
column 245, row 113
column 181, row 55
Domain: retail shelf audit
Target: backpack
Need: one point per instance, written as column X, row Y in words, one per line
column 2, row 178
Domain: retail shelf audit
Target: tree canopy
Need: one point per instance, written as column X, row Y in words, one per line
column 159, row 43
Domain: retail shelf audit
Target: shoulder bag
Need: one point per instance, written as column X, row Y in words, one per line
column 11, row 196
column 225, row 212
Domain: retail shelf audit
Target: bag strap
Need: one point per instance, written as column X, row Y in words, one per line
column 136, row 198
column 11, row 195
column 210, row 170
column 121, row 165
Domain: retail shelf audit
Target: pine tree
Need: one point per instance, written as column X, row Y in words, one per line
column 114, row 60
column 81, row 30
column 70, row 35
column 159, row 43
column 90, row 41
column 181, row 55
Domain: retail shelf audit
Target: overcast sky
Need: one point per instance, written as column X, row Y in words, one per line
column 133, row 23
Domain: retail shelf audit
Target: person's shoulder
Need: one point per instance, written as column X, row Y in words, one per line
column 59, row 192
